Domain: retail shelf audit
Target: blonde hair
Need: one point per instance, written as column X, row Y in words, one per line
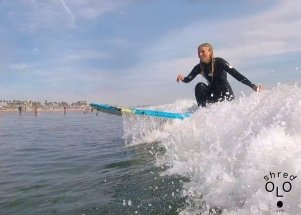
column 210, row 48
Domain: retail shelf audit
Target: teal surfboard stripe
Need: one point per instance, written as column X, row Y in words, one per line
column 153, row 113
column 161, row 114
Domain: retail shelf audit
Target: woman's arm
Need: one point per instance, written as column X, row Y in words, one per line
column 233, row 72
column 195, row 71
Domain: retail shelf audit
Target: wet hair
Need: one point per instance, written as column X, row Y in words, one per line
column 210, row 48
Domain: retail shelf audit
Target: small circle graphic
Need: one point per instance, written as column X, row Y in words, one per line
column 279, row 204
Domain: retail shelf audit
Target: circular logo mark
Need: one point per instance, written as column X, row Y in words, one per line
column 279, row 204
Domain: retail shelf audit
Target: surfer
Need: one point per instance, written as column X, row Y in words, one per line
column 214, row 70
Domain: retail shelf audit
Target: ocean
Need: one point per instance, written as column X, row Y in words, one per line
column 239, row 157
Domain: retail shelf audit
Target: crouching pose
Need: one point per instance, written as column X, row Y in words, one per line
column 214, row 70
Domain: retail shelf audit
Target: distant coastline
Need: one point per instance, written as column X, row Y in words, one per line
column 45, row 110
column 36, row 107
column 41, row 110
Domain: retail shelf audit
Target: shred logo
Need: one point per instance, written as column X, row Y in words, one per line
column 283, row 186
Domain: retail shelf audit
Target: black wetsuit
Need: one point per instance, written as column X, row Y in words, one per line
column 218, row 88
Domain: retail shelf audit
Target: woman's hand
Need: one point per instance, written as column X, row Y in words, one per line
column 258, row 88
column 180, row 78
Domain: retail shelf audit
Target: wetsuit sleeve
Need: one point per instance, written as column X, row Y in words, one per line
column 195, row 71
column 233, row 72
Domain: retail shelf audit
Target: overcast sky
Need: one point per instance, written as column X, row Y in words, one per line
column 129, row 52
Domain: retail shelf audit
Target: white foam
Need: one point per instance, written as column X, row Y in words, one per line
column 227, row 149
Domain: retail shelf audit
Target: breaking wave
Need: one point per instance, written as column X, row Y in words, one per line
column 230, row 150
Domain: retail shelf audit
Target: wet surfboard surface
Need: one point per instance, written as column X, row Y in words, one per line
column 111, row 109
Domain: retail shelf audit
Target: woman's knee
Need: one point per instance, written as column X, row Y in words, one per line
column 200, row 87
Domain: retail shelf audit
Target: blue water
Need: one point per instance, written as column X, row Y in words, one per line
column 79, row 164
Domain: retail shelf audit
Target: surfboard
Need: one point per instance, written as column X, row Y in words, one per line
column 136, row 111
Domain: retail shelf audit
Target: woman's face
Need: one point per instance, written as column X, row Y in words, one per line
column 204, row 54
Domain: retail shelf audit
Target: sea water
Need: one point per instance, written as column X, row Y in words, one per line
column 79, row 164
column 239, row 157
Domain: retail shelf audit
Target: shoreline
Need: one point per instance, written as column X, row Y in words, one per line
column 45, row 110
